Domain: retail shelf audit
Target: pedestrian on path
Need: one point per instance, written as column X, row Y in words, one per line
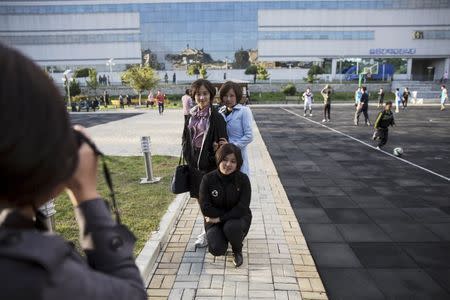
column 326, row 92
column 150, row 99
column 380, row 98
column 186, row 101
column 202, row 134
column 405, row 97
column 363, row 107
column 36, row 263
column 239, row 120
column 160, row 98
column 444, row 96
column 121, row 101
column 308, row 99
column 385, row 119
column 224, row 200
column 398, row 99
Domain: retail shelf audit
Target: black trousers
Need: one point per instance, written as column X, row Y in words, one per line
column 161, row 108
column 363, row 110
column 326, row 109
column 382, row 135
column 232, row 231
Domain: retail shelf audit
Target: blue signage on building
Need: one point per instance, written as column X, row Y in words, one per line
column 392, row 51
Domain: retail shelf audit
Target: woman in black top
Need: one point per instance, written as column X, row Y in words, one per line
column 225, row 203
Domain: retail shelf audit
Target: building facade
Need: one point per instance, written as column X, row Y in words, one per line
column 70, row 33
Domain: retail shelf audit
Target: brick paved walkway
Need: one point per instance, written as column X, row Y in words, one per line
column 277, row 262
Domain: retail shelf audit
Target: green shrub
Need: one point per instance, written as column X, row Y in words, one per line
column 289, row 89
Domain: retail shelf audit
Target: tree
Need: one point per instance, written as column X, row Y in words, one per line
column 193, row 69
column 289, row 89
column 92, row 82
column 74, row 87
column 81, row 73
column 252, row 70
column 241, row 59
column 203, row 72
column 262, row 73
column 312, row 72
column 140, row 79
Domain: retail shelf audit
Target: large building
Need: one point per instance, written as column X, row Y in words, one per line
column 68, row 33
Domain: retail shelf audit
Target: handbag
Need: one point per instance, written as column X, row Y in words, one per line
column 180, row 180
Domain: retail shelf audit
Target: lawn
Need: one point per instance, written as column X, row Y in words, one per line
column 279, row 97
column 142, row 206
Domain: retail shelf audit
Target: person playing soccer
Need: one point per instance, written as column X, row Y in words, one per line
column 385, row 119
column 398, row 99
column 363, row 107
column 308, row 99
column 444, row 96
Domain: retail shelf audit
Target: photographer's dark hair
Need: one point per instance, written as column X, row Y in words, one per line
column 228, row 149
column 207, row 84
column 38, row 150
column 230, row 85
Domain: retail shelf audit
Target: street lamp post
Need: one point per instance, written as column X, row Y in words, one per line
column 66, row 79
column 110, row 63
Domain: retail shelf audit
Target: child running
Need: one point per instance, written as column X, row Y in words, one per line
column 308, row 99
column 384, row 120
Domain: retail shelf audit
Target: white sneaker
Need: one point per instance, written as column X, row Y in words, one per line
column 201, row 241
column 310, row 115
column 324, row 120
column 304, row 115
column 378, row 148
column 328, row 120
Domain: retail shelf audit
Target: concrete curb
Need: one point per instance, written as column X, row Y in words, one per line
column 147, row 258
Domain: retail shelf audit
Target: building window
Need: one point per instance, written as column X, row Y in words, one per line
column 436, row 34
column 316, row 35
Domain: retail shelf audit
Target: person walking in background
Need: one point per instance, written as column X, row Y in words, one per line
column 202, row 134
column 128, row 97
column 166, row 78
column 444, row 96
column 444, row 77
column 358, row 94
column 239, row 120
column 384, row 119
column 405, row 97
column 150, row 99
column 174, row 78
column 225, row 195
column 186, row 101
column 363, row 107
column 160, row 98
column 380, row 98
column 106, row 98
column 308, row 99
column 326, row 92
column 398, row 99
column 121, row 101
column 49, row 265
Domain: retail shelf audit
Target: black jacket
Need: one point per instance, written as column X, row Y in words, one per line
column 206, row 161
column 39, row 265
column 365, row 100
column 384, row 119
column 225, row 196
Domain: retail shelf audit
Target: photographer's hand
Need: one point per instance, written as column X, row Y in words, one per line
column 83, row 184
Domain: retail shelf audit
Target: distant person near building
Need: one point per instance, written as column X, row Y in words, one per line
column 444, row 77
column 405, row 97
column 380, row 97
column 160, row 98
column 186, row 101
column 398, row 99
column 128, row 100
column 150, row 99
column 121, row 101
column 384, row 119
column 174, row 78
column 95, row 104
column 166, row 78
column 106, row 98
column 363, row 107
column 308, row 99
column 444, row 96
column 326, row 92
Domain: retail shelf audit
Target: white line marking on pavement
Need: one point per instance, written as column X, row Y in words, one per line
column 368, row 145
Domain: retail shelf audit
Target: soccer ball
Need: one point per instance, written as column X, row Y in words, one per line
column 398, row 151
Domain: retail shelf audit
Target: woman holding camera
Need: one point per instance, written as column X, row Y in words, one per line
column 40, row 158
column 225, row 195
column 202, row 134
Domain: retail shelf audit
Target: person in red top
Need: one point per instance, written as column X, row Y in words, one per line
column 160, row 97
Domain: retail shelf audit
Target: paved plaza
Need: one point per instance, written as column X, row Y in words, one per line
column 372, row 226
column 377, row 227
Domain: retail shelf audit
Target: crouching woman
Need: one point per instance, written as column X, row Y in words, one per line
column 225, row 203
